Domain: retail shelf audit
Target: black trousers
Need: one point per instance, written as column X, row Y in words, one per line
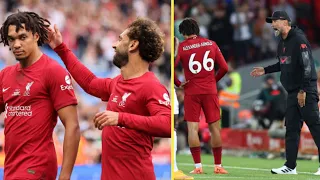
column 295, row 115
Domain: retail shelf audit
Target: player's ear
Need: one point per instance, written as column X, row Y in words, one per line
column 36, row 37
column 133, row 45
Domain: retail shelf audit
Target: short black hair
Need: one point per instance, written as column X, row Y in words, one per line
column 32, row 21
column 189, row 27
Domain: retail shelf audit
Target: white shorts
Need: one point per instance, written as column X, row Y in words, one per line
column 176, row 103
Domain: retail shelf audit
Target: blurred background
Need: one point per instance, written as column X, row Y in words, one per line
column 89, row 28
column 252, row 109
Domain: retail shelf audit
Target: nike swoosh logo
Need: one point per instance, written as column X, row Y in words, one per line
column 5, row 89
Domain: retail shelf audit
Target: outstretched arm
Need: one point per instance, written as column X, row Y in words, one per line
column 272, row 68
column 97, row 87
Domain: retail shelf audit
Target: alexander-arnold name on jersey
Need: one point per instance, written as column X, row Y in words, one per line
column 68, row 86
column 197, row 45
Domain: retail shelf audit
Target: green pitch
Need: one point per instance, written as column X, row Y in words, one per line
column 248, row 168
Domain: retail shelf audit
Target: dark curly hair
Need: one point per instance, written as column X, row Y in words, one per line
column 32, row 21
column 151, row 43
column 189, row 27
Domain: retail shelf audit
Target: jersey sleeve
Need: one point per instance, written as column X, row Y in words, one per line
column 2, row 106
column 60, row 87
column 223, row 67
column 305, row 61
column 98, row 87
column 158, row 123
column 177, row 82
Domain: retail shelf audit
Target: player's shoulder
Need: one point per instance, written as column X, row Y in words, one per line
column 52, row 65
column 9, row 69
column 152, row 82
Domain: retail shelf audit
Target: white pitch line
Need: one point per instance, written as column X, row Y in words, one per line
column 219, row 177
column 235, row 167
column 233, row 177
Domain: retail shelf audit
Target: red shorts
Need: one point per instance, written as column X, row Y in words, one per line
column 209, row 104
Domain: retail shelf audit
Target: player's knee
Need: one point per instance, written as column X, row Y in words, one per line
column 192, row 131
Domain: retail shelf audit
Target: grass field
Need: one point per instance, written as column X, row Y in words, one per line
column 248, row 168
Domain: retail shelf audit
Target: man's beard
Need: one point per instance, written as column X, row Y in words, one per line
column 21, row 59
column 120, row 59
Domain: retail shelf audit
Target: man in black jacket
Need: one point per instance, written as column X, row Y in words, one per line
column 298, row 77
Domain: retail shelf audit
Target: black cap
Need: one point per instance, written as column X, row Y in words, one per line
column 278, row 15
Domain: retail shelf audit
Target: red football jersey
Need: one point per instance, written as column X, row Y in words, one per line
column 144, row 110
column 31, row 98
column 198, row 57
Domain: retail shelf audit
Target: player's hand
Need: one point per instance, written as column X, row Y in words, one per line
column 257, row 71
column 302, row 98
column 63, row 177
column 106, row 118
column 54, row 37
column 183, row 84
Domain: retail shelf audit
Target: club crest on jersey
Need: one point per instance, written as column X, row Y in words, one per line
column 124, row 99
column 28, row 88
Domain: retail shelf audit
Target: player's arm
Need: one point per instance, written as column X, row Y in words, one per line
column 98, row 87
column 68, row 117
column 305, row 61
column 2, row 106
column 272, row 68
column 64, row 103
column 85, row 78
column 223, row 66
column 177, row 82
column 157, row 124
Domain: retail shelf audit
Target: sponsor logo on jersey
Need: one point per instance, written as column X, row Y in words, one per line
column 5, row 89
column 166, row 100
column 68, row 82
column 17, row 110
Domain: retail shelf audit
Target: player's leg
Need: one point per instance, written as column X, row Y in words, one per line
column 178, row 175
column 310, row 114
column 293, row 123
column 211, row 109
column 191, row 115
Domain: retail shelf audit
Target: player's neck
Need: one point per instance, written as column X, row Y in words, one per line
column 34, row 57
column 134, row 68
column 285, row 32
column 191, row 36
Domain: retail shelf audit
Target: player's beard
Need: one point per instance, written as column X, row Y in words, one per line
column 21, row 59
column 120, row 59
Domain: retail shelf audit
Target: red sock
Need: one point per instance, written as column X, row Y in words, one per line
column 217, row 153
column 195, row 151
